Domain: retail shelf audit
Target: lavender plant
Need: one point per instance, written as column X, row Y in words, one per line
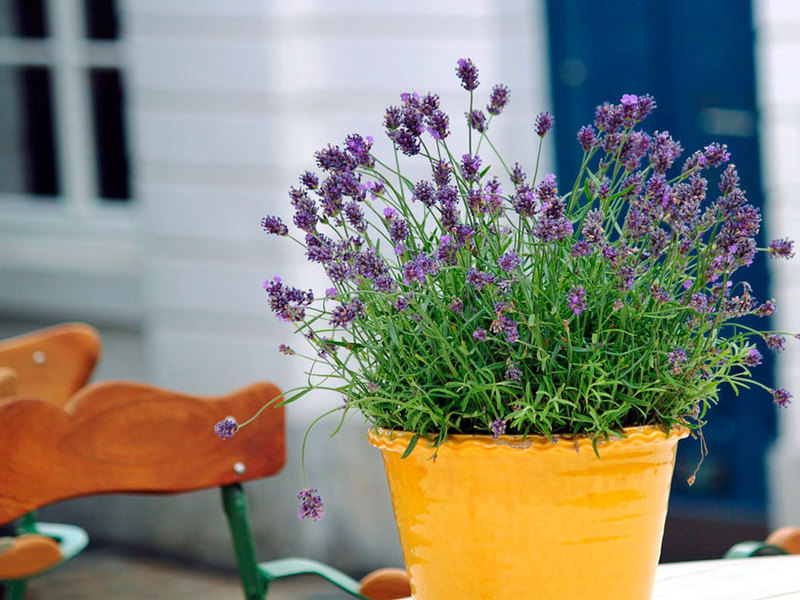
column 479, row 300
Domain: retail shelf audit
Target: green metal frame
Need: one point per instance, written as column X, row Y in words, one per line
column 71, row 542
column 751, row 548
column 256, row 577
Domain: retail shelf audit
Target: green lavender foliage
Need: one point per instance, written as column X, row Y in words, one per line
column 612, row 304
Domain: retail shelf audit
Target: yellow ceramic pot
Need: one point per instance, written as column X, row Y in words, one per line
column 508, row 519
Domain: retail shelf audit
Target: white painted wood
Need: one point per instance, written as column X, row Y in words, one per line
column 763, row 578
column 72, row 104
column 777, row 28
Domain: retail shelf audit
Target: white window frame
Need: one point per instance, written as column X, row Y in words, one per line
column 78, row 235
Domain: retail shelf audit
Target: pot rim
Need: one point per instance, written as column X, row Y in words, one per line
column 643, row 435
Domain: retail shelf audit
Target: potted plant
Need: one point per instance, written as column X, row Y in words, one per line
column 527, row 353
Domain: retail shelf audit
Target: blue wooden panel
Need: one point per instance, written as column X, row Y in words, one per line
column 696, row 58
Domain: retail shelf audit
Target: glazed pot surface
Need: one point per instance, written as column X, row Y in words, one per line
column 511, row 518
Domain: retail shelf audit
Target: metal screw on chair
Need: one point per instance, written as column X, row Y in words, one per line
column 239, row 468
column 39, row 357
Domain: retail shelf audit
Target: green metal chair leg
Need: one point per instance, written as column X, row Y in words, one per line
column 253, row 582
column 15, row 590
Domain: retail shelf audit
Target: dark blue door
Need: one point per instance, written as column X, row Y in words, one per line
column 696, row 58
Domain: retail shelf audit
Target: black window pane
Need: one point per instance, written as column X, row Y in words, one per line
column 27, row 146
column 109, row 134
column 24, row 18
column 101, row 19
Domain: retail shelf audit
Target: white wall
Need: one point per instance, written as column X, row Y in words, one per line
column 777, row 24
column 227, row 103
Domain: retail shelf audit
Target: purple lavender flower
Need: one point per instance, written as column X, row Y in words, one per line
column 592, row 230
column 676, row 358
column 309, row 180
column 369, row 264
column 429, row 104
column 659, row 294
column 765, row 309
column 438, row 125
column 664, row 152
column 781, row 397
column 775, row 341
column 716, row 154
column 553, row 226
column 576, row 299
column 402, row 302
column 478, row 279
column 498, row 99
column 334, row 158
column 347, row 312
column 468, row 74
column 618, row 304
column 517, row 175
column 752, row 358
column 355, row 216
column 509, row 261
column 359, row 147
column 226, row 428
column 305, row 216
column 284, row 349
column 607, row 117
column 729, row 180
column 581, row 248
column 384, row 284
column 417, row 268
column 524, row 201
column 498, row 428
column 781, row 248
column 442, row 171
column 424, row 192
column 398, row 230
column 392, row 119
column 543, row 123
column 286, row 302
column 587, row 137
column 470, row 166
column 311, row 506
column 407, row 142
column 274, row 225
column 479, row 335
column 477, row 120
column 513, row 372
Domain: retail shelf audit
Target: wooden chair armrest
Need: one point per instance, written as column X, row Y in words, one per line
column 9, row 382
column 786, row 538
column 27, row 555
column 386, row 584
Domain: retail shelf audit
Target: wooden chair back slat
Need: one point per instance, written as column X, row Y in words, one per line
column 53, row 363
column 127, row 437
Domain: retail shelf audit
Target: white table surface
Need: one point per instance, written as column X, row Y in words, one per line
column 762, row 578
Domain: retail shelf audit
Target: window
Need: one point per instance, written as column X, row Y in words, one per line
column 69, row 239
column 62, row 130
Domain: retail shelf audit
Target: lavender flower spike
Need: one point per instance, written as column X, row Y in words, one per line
column 781, row 397
column 781, row 248
column 576, row 299
column 498, row 428
column 543, row 123
column 498, row 99
column 226, row 428
column 468, row 74
column 311, row 506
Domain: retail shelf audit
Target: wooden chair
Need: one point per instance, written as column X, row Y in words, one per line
column 126, row 437
column 785, row 540
column 52, row 363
